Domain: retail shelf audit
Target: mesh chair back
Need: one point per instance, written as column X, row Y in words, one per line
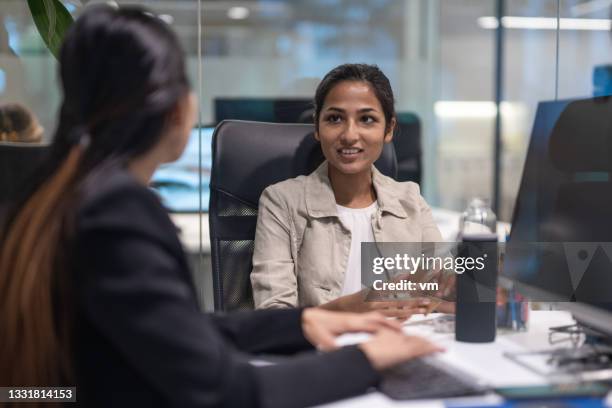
column 247, row 157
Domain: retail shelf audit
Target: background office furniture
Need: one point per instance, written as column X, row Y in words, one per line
column 17, row 163
column 178, row 183
column 275, row 110
column 248, row 157
column 407, row 141
column 602, row 80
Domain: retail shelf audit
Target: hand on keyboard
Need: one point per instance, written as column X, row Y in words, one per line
column 388, row 348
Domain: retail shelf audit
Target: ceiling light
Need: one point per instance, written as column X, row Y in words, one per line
column 546, row 23
column 475, row 109
column 238, row 13
column 465, row 109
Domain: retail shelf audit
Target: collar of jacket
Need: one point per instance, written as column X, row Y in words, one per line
column 320, row 200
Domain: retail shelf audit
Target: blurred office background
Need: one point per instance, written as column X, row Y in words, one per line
column 468, row 79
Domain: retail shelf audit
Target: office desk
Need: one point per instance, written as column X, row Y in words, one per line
column 484, row 361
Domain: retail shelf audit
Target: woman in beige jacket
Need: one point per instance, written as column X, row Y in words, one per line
column 310, row 228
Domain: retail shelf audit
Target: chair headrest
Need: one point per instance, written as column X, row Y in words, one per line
column 250, row 156
column 581, row 140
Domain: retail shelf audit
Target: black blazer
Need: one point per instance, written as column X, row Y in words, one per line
column 140, row 339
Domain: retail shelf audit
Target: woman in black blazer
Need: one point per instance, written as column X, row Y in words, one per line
column 95, row 289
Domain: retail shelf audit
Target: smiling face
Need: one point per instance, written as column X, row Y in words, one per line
column 352, row 127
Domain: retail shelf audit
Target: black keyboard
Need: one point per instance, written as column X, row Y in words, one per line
column 421, row 379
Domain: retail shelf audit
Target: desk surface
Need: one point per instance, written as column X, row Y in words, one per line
column 484, row 361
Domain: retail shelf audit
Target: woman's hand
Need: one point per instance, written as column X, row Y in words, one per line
column 445, row 307
column 446, row 292
column 321, row 327
column 388, row 348
column 360, row 303
column 447, row 281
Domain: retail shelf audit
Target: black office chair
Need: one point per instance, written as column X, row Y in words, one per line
column 17, row 163
column 247, row 157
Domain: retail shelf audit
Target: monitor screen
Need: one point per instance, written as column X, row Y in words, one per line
column 540, row 180
column 178, row 183
column 560, row 247
column 534, row 204
column 275, row 110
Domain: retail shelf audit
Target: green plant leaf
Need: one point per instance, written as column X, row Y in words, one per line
column 52, row 20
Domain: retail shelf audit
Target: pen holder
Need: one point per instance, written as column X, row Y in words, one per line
column 512, row 310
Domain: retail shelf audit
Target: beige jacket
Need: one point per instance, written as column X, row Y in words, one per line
column 302, row 247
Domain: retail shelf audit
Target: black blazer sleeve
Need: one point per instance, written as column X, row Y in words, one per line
column 135, row 288
column 264, row 331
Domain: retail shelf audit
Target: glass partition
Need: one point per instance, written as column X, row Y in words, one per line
column 529, row 77
column 464, row 106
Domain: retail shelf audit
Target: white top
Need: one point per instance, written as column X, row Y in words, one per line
column 359, row 222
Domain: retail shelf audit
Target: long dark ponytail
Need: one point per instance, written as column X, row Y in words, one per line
column 122, row 73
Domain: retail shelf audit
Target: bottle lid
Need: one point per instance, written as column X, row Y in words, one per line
column 478, row 219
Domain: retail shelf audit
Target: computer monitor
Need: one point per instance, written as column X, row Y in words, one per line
column 560, row 247
column 275, row 110
column 178, row 183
